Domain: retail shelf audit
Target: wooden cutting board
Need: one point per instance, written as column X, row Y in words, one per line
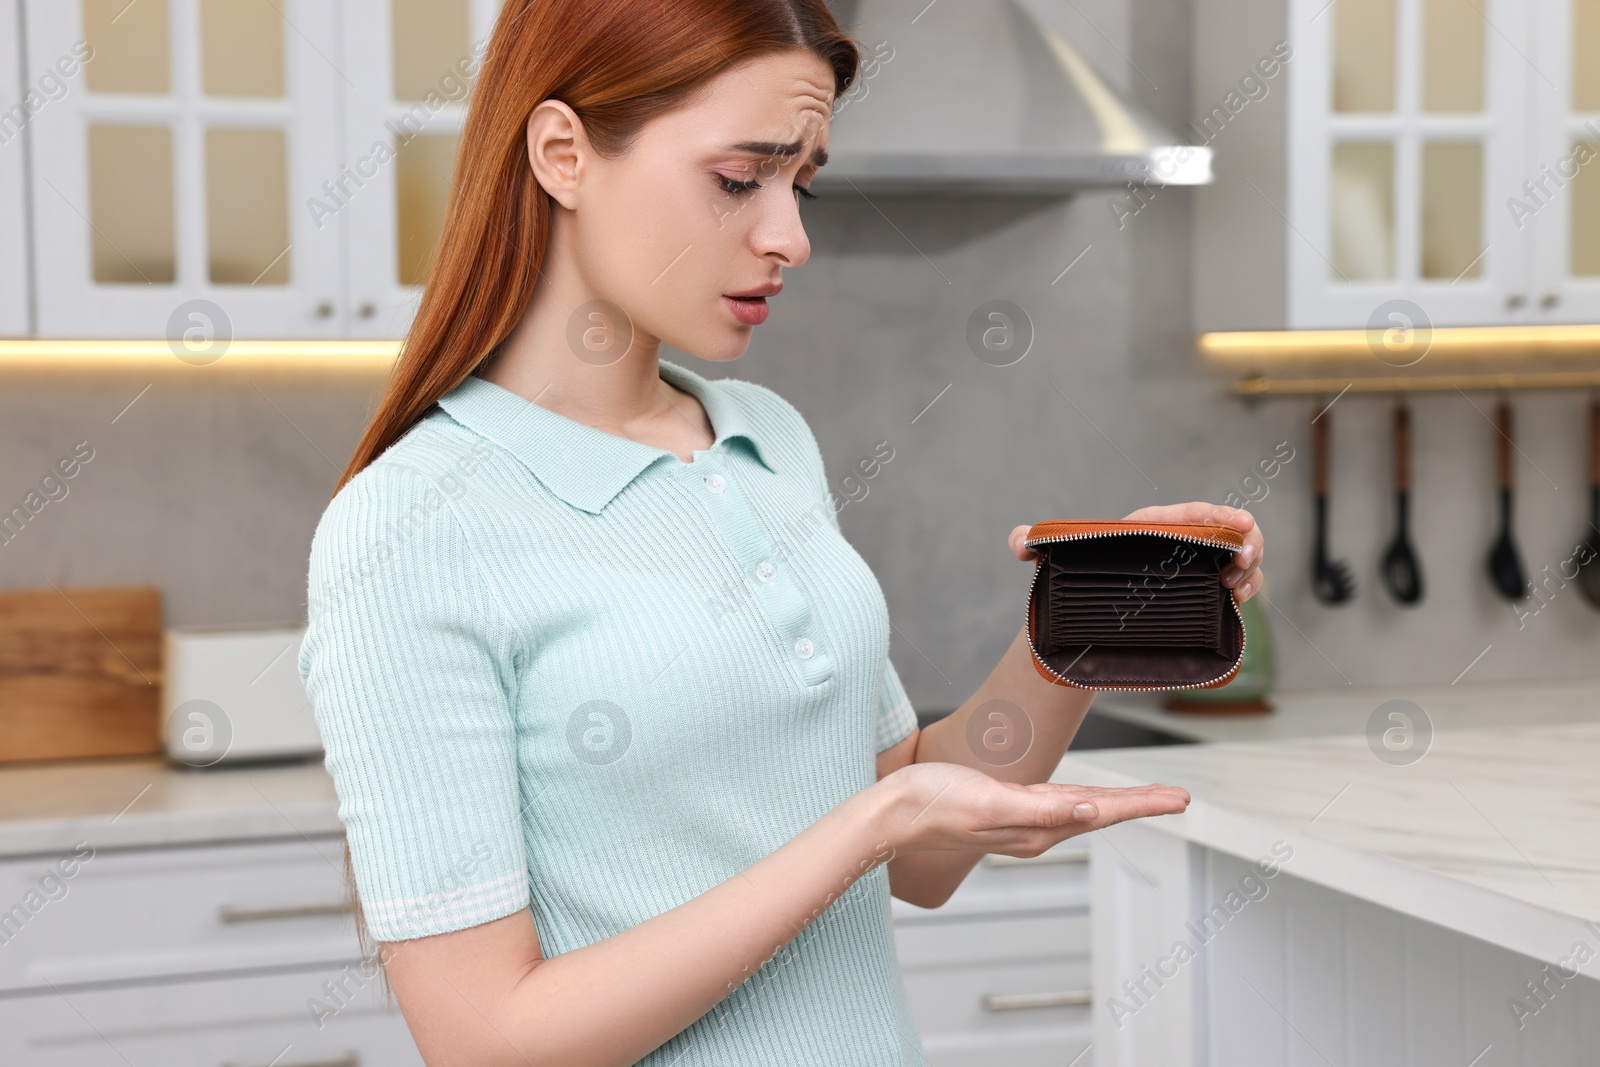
column 80, row 672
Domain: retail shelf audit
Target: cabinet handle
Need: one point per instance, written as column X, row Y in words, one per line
column 349, row 1059
column 1080, row 855
column 1068, row 998
column 1516, row 300
column 366, row 311
column 1550, row 300
column 227, row 913
column 325, row 310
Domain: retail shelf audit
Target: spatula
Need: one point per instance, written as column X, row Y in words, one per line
column 1402, row 570
column 1505, row 564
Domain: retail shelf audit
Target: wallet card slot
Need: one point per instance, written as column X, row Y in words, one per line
column 1121, row 618
column 1138, row 640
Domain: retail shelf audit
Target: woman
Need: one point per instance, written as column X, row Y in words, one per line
column 626, row 773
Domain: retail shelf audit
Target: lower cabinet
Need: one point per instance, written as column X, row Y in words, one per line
column 276, row 1020
column 244, row 955
column 226, row 955
column 1000, row 973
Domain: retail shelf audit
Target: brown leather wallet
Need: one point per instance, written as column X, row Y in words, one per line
column 1117, row 604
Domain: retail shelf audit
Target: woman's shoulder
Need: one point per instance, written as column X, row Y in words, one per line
column 404, row 494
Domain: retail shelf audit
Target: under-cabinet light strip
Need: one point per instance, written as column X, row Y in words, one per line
column 329, row 355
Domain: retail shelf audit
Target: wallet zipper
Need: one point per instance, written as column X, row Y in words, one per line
column 1243, row 636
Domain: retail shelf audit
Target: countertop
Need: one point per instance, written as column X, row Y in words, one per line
column 1492, row 831
column 1346, row 710
column 124, row 803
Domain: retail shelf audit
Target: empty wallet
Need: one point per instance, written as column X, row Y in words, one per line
column 1118, row 604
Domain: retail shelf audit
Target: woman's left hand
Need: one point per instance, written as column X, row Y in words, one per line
column 1245, row 572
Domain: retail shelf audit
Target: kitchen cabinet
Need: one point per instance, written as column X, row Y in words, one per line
column 1316, row 904
column 1405, row 162
column 250, row 168
column 1001, row 973
column 238, row 953
column 15, row 282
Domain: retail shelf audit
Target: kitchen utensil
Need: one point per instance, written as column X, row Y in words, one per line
column 1331, row 582
column 1505, row 564
column 1118, row 604
column 1589, row 570
column 1402, row 571
column 80, row 672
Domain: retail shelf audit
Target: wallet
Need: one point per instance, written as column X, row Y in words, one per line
column 1120, row 604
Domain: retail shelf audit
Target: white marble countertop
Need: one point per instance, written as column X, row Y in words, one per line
column 1345, row 710
column 126, row 803
column 1492, row 832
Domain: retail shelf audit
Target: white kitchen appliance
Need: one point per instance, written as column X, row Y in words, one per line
column 233, row 694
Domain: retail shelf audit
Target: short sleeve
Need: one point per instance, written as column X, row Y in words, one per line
column 408, row 660
column 896, row 718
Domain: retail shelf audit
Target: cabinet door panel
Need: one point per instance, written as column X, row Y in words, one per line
column 412, row 63
column 173, row 179
column 1560, row 204
column 1389, row 185
column 330, row 1018
column 15, row 112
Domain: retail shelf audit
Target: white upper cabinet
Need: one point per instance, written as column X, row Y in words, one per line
column 1442, row 154
column 167, row 181
column 256, row 168
column 411, row 63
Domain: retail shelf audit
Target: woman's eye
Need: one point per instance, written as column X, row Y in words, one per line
column 736, row 187
column 806, row 194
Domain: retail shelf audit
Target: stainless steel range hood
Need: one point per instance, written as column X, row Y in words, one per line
column 982, row 97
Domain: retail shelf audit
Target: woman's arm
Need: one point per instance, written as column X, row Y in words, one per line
column 485, row 996
column 1052, row 713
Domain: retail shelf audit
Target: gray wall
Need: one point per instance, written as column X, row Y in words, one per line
column 211, row 483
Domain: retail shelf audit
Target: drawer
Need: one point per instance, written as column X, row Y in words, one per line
column 1028, row 936
column 173, row 911
column 1035, row 1046
column 999, row 998
column 253, row 1021
column 1058, row 878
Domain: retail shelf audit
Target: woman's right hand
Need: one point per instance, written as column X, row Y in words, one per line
column 958, row 808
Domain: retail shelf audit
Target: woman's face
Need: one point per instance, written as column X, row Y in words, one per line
column 704, row 209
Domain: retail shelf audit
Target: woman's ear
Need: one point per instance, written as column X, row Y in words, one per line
column 557, row 149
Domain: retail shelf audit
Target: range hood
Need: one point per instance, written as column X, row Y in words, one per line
column 982, row 97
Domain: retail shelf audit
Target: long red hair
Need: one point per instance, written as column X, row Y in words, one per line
column 617, row 64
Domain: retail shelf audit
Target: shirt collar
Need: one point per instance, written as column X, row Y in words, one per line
column 585, row 466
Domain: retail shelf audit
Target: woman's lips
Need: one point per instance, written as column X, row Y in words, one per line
column 749, row 310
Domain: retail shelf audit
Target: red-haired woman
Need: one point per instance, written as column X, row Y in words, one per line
column 626, row 773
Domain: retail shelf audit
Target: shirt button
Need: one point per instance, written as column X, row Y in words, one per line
column 716, row 483
column 803, row 648
column 765, row 570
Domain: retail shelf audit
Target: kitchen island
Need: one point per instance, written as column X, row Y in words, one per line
column 1406, row 895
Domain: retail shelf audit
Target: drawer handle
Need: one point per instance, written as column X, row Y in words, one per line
column 1070, row 998
column 1078, row 855
column 230, row 914
column 349, row 1059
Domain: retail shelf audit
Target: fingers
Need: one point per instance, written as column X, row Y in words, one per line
column 1019, row 534
column 1244, row 573
column 1104, row 806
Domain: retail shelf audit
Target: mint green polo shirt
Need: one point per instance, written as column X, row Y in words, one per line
column 557, row 669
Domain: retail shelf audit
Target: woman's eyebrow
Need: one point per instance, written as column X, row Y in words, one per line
column 819, row 157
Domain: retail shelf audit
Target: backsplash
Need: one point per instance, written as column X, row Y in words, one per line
column 210, row 487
